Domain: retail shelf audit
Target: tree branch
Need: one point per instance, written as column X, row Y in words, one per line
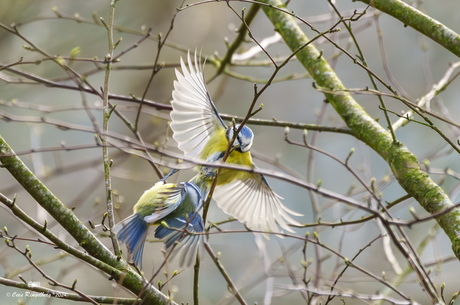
column 402, row 162
column 67, row 219
column 417, row 20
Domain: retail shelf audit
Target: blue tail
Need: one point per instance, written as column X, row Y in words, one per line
column 132, row 231
column 188, row 244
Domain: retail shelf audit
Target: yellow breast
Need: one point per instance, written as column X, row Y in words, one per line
column 217, row 144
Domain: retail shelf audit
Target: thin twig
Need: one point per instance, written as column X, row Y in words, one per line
column 231, row 286
column 107, row 110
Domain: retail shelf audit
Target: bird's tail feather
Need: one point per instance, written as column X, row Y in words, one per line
column 132, row 231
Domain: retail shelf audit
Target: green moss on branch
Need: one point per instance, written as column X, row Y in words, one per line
column 402, row 162
column 426, row 25
column 67, row 219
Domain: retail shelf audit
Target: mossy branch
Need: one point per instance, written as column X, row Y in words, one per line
column 417, row 20
column 402, row 162
column 67, row 219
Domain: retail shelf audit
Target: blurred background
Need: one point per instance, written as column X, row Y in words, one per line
column 70, row 30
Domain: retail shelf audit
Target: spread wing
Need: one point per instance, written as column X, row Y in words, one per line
column 188, row 245
column 194, row 116
column 255, row 204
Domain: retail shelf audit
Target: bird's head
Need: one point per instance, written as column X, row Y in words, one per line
column 193, row 192
column 243, row 141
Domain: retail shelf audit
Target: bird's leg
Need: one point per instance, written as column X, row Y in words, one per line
column 172, row 172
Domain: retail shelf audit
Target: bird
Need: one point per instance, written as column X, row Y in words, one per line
column 201, row 133
column 174, row 208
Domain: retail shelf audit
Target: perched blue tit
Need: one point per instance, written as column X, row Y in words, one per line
column 201, row 133
column 176, row 205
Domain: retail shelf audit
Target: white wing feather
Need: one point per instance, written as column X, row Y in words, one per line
column 254, row 204
column 194, row 117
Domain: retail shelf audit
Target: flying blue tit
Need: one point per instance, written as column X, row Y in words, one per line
column 201, row 133
column 176, row 205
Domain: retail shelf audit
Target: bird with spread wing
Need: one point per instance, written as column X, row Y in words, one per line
column 201, row 133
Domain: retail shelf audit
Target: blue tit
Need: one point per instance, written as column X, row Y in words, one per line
column 176, row 205
column 201, row 133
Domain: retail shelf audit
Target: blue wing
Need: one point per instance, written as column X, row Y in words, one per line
column 194, row 116
column 188, row 245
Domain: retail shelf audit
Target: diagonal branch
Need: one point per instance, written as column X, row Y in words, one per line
column 402, row 162
column 67, row 219
column 417, row 20
column 46, row 292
